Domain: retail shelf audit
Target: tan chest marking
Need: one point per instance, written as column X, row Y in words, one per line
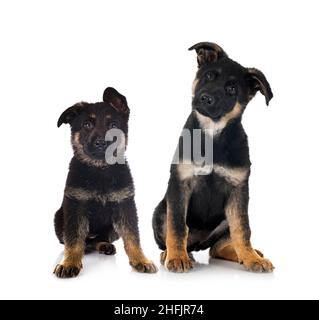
column 215, row 128
column 234, row 176
column 86, row 195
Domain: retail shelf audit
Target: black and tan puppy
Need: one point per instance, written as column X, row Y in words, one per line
column 98, row 205
column 206, row 205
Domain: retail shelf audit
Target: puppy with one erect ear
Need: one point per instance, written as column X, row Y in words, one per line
column 206, row 204
column 98, row 205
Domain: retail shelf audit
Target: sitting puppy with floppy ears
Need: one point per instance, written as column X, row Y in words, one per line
column 206, row 203
column 98, row 205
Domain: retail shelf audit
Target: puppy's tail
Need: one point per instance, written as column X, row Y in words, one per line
column 221, row 232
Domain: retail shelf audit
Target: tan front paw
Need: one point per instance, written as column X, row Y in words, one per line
column 179, row 265
column 258, row 264
column 144, row 266
column 67, row 271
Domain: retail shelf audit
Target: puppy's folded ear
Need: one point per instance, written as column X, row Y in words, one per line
column 116, row 100
column 258, row 82
column 69, row 114
column 208, row 52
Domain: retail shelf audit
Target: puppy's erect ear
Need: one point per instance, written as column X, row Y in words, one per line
column 116, row 100
column 208, row 52
column 69, row 114
column 258, row 82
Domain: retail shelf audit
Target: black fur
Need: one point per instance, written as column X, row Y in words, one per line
column 198, row 203
column 98, row 205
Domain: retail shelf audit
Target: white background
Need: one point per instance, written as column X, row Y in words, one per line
column 56, row 53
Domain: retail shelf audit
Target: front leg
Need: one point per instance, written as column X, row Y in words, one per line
column 76, row 228
column 236, row 211
column 126, row 225
column 177, row 199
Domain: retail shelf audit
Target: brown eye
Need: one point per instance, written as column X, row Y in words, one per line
column 231, row 88
column 88, row 125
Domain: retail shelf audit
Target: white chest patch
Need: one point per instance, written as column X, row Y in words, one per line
column 211, row 127
column 215, row 128
column 202, row 171
column 234, row 176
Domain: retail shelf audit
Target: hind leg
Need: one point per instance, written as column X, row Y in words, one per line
column 103, row 242
column 220, row 244
column 159, row 229
column 105, row 248
column 102, row 247
column 236, row 212
column 58, row 224
column 159, row 225
column 224, row 250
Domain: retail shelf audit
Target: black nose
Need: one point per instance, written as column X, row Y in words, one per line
column 207, row 100
column 100, row 143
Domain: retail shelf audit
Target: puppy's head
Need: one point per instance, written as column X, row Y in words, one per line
column 90, row 123
column 223, row 87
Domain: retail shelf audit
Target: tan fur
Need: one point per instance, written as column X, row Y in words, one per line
column 232, row 175
column 235, row 176
column 185, row 171
column 217, row 127
column 177, row 258
column 175, row 247
column 80, row 154
column 73, row 256
column 203, row 170
column 244, row 251
column 85, row 195
column 227, row 252
column 235, row 225
column 195, row 82
column 134, row 252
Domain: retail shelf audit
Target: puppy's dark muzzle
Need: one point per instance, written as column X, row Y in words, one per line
column 208, row 105
column 100, row 145
column 207, row 100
